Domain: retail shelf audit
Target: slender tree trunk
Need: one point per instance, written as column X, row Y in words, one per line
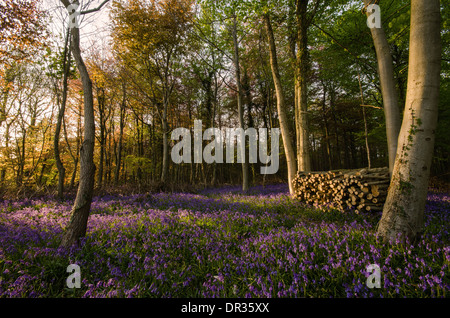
column 6, row 151
column 366, row 138
column 250, row 121
column 366, row 129
column 80, row 212
column 121, row 128
column 336, row 126
column 282, row 117
column 62, row 110
column 245, row 183
column 403, row 213
column 326, row 128
column 108, row 153
column 347, row 159
column 165, row 131
column 22, row 157
column 213, row 117
column 301, row 88
column 388, row 89
column 101, row 110
column 76, row 156
column 327, row 140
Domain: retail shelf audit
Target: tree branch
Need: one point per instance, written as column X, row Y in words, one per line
column 96, row 9
column 371, row 106
column 313, row 13
column 345, row 48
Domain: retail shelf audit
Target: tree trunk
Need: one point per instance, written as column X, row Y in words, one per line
column 101, row 111
column 366, row 138
column 301, row 89
column 388, row 89
column 403, row 213
column 62, row 110
column 326, row 129
column 282, row 117
column 245, row 183
column 80, row 212
column 21, row 157
column 121, row 128
column 366, row 129
column 165, row 131
column 6, row 151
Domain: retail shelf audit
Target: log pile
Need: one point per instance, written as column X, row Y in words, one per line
column 360, row 190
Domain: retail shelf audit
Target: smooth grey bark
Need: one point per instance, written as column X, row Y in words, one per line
column 388, row 89
column 282, row 117
column 245, row 183
column 80, row 212
column 301, row 86
column 403, row 213
column 366, row 129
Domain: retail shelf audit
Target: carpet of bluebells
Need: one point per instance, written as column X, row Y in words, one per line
column 217, row 243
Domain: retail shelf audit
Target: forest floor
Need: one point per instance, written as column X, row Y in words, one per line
column 218, row 243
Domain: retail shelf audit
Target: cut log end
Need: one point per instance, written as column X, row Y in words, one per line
column 361, row 190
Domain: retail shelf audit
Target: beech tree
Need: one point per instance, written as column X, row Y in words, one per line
column 237, row 66
column 287, row 143
column 80, row 212
column 304, row 20
column 388, row 89
column 403, row 213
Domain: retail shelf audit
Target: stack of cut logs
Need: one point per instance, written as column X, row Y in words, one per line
column 360, row 190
